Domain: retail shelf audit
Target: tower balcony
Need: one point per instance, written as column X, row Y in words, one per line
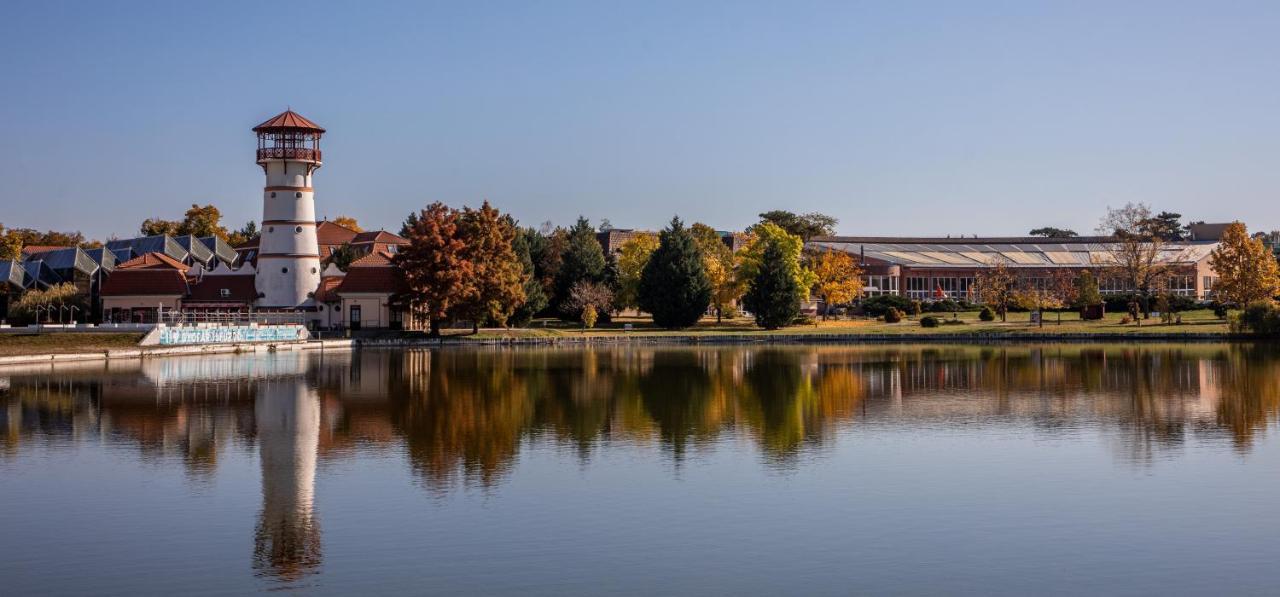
column 300, row 154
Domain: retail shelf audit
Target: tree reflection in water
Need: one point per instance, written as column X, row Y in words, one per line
column 462, row 416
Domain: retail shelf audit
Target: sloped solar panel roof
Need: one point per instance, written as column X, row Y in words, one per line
column 1024, row 258
column 11, row 272
column 1018, row 252
column 197, row 249
column 67, row 259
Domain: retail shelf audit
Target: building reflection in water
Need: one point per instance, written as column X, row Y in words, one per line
column 287, row 538
column 462, row 417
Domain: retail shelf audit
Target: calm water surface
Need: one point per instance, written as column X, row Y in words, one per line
column 746, row 470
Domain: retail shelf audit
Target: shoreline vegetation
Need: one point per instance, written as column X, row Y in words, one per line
column 1199, row 325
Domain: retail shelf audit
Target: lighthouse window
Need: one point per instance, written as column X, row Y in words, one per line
column 273, row 194
column 313, row 270
column 297, row 229
column 271, row 228
column 284, row 270
column 298, row 194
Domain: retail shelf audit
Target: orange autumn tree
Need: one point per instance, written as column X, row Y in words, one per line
column 839, row 278
column 437, row 273
column 496, row 285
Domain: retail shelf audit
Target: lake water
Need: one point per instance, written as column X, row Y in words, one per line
column 826, row 470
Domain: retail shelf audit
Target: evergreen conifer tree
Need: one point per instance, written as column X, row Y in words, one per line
column 583, row 261
column 535, row 299
column 673, row 286
column 773, row 296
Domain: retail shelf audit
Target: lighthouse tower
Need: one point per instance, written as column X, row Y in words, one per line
column 288, row 255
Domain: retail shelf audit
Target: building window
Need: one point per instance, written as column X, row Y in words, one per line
column 918, row 287
column 1208, row 286
column 1113, row 285
column 225, row 292
column 1182, row 285
column 879, row 285
column 393, row 249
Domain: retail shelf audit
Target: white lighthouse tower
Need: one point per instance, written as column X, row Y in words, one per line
column 288, row 255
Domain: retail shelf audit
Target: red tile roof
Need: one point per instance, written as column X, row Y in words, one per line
column 379, row 236
column 145, row 281
column 372, row 273
column 378, row 259
column 209, row 289
column 288, row 120
column 152, row 261
column 33, row 249
column 328, row 284
column 328, row 233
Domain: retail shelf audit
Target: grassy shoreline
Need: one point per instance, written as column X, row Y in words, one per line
column 12, row 344
column 1197, row 325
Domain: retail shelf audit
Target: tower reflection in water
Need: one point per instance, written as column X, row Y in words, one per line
column 462, row 418
column 286, row 542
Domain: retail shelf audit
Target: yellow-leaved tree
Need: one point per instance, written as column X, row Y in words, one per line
column 839, row 278
column 632, row 257
column 1247, row 271
column 760, row 238
column 718, row 262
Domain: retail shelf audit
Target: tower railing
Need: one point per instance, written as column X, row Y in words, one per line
column 288, row 153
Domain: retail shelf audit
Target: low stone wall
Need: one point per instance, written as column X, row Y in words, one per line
column 77, row 328
column 168, row 351
column 972, row 338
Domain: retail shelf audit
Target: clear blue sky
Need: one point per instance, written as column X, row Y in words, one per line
column 896, row 117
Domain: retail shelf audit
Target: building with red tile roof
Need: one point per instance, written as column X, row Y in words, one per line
column 368, row 291
column 154, row 261
column 136, row 294
column 222, row 292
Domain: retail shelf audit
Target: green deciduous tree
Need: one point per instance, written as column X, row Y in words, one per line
column 1051, row 232
column 674, row 286
column 805, row 226
column 1087, row 293
column 245, row 234
column 343, row 256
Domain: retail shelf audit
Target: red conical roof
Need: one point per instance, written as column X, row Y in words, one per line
column 288, row 120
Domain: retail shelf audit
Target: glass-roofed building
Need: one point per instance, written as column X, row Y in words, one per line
column 935, row 268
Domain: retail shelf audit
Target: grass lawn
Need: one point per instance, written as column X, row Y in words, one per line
column 1202, row 321
column 61, row 343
